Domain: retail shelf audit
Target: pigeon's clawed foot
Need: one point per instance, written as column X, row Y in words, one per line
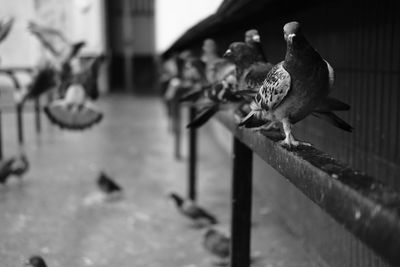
column 289, row 140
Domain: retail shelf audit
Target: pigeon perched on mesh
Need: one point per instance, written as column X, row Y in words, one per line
column 199, row 216
column 107, row 185
column 294, row 87
column 6, row 169
column 218, row 244
column 6, row 24
column 74, row 111
column 36, row 261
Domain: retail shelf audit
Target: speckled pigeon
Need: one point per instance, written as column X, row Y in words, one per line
column 218, row 244
column 294, row 87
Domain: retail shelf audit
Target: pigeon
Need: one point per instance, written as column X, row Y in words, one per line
column 88, row 77
column 107, row 185
column 191, row 210
column 294, row 87
column 74, row 111
column 36, row 261
column 20, row 165
column 218, row 244
column 56, row 43
column 5, row 27
column 45, row 78
column 6, row 169
column 253, row 39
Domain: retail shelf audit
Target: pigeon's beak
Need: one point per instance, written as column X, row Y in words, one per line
column 290, row 37
column 227, row 53
column 256, row 38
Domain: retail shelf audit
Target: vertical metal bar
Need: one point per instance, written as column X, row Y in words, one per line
column 20, row 126
column 38, row 124
column 1, row 136
column 192, row 192
column 241, row 204
column 176, row 120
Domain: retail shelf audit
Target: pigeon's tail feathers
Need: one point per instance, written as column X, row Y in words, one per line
column 191, row 96
column 203, row 116
column 332, row 104
column 246, row 120
column 334, row 120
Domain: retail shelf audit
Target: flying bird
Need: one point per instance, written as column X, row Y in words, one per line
column 6, row 24
column 36, row 261
column 75, row 111
column 88, row 77
column 218, row 244
column 191, row 210
column 294, row 87
column 44, row 79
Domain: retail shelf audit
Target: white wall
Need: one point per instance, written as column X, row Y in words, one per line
column 174, row 17
column 20, row 48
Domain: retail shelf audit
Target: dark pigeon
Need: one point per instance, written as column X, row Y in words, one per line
column 191, row 210
column 36, row 261
column 218, row 244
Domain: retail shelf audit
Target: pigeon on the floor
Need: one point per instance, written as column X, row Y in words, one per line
column 5, row 27
column 75, row 111
column 36, row 261
column 218, row 244
column 108, row 186
column 199, row 216
column 294, row 87
column 6, row 169
column 20, row 165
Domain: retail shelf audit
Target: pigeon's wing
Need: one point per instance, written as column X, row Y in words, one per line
column 331, row 74
column 51, row 39
column 255, row 76
column 5, row 27
column 45, row 79
column 275, row 87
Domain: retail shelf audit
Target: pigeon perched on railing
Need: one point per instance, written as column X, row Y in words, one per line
column 199, row 216
column 6, row 24
column 218, row 244
column 253, row 39
column 75, row 111
column 294, row 87
column 36, row 261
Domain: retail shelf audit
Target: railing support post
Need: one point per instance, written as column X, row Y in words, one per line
column 192, row 192
column 1, row 136
column 20, row 126
column 241, row 204
column 37, row 115
column 176, row 121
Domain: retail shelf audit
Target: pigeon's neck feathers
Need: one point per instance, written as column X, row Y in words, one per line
column 299, row 51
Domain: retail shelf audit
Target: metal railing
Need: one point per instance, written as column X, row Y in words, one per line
column 366, row 207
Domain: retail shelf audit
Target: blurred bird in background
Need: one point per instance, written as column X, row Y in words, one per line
column 6, row 24
column 36, row 261
column 6, row 169
column 294, row 87
column 218, row 244
column 198, row 215
column 109, row 187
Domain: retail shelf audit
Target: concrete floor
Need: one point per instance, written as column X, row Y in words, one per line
column 55, row 211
